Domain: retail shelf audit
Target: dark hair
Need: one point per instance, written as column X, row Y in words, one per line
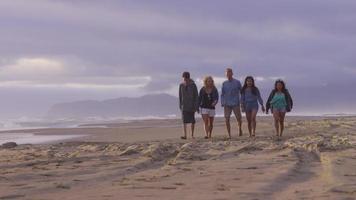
column 284, row 89
column 186, row 75
column 254, row 88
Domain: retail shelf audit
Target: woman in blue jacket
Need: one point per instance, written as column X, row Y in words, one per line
column 250, row 98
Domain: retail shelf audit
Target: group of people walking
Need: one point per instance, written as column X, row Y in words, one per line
column 235, row 98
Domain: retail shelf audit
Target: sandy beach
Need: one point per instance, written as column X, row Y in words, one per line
column 316, row 159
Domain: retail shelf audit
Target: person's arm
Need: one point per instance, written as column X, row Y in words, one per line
column 243, row 97
column 260, row 100
column 222, row 95
column 239, row 86
column 215, row 97
column 290, row 99
column 268, row 103
column 180, row 97
column 196, row 99
column 200, row 97
column 242, row 101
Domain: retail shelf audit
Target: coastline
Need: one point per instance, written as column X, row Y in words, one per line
column 115, row 131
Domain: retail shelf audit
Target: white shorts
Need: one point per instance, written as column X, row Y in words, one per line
column 207, row 111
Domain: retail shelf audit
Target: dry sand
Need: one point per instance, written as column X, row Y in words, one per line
column 144, row 160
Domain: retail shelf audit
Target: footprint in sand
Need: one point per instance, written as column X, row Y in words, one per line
column 248, row 168
column 350, row 175
column 18, row 185
column 345, row 189
column 168, row 188
column 222, row 187
column 15, row 196
column 62, row 186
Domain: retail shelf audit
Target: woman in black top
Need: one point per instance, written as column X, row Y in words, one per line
column 208, row 98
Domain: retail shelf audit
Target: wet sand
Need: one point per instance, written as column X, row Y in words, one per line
column 316, row 159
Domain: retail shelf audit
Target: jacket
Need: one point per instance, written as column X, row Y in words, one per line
column 188, row 97
column 289, row 100
column 206, row 100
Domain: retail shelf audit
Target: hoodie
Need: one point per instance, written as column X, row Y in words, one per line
column 188, row 97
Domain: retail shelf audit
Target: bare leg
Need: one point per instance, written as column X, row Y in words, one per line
column 228, row 126
column 185, row 130
column 253, row 120
column 276, row 121
column 193, row 127
column 206, row 124
column 281, row 122
column 227, row 113
column 211, row 122
column 249, row 122
column 239, row 122
column 237, row 113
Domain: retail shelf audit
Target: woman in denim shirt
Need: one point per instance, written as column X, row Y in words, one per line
column 250, row 97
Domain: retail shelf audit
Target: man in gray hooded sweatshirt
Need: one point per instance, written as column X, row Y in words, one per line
column 188, row 102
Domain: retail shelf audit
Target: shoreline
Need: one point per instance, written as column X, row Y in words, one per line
column 166, row 129
column 81, row 123
column 33, row 139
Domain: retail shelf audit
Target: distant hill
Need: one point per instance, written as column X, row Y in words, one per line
column 148, row 105
column 318, row 100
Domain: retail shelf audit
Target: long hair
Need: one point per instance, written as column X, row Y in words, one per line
column 254, row 89
column 206, row 79
column 284, row 89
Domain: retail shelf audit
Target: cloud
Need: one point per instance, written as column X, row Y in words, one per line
column 29, row 67
column 131, row 38
column 128, row 48
column 52, row 73
column 71, row 85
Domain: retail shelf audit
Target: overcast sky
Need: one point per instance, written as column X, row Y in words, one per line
column 64, row 50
